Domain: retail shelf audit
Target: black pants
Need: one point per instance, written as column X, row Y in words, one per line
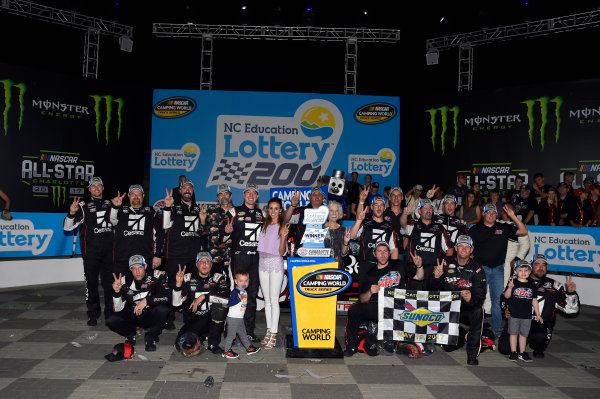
column 249, row 262
column 172, row 269
column 473, row 316
column 125, row 322
column 210, row 325
column 538, row 339
column 94, row 266
column 356, row 313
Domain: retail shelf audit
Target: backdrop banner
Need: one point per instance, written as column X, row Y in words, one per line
column 269, row 139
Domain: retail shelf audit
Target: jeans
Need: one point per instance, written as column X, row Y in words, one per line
column 495, row 281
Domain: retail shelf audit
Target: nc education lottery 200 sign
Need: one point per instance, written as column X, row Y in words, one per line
column 269, row 139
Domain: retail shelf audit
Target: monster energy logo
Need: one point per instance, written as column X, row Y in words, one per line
column 59, row 194
column 8, row 85
column 444, row 119
column 543, row 101
column 108, row 100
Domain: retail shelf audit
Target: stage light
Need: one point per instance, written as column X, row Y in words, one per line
column 432, row 57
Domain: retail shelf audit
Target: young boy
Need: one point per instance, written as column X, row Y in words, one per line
column 520, row 295
column 235, row 317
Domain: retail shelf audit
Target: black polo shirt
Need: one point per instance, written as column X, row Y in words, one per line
column 490, row 243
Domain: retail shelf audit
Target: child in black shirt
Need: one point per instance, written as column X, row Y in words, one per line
column 520, row 294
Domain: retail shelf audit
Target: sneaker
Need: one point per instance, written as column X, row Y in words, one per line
column 215, row 349
column 230, row 354
column 472, row 361
column 92, row 321
column 150, row 344
column 130, row 340
column 253, row 338
column 252, row 350
column 350, row 351
column 539, row 355
column 524, row 356
column 513, row 356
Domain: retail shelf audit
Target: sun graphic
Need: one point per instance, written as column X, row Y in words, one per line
column 386, row 155
column 190, row 151
column 316, row 117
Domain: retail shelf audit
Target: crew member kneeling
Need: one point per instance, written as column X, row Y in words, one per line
column 139, row 300
column 387, row 273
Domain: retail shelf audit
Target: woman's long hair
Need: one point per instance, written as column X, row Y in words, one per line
column 268, row 219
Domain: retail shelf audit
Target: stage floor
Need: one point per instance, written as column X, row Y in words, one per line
column 48, row 351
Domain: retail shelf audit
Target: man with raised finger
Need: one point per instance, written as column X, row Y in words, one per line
column 294, row 215
column 96, row 241
column 139, row 300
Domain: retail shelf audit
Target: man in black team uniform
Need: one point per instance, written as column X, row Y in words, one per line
column 245, row 227
column 426, row 239
column 462, row 273
column 138, row 230
column 204, row 295
column 551, row 295
column 453, row 225
column 386, row 273
column 372, row 230
column 295, row 216
column 96, row 240
column 139, row 300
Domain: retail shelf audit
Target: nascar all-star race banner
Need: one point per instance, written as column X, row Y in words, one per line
column 269, row 139
column 56, row 132
column 419, row 316
column 493, row 136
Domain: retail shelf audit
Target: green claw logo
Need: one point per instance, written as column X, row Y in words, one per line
column 543, row 101
column 8, row 85
column 59, row 195
column 108, row 100
column 444, row 110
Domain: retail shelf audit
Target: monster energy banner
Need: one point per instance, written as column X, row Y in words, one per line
column 493, row 136
column 56, row 132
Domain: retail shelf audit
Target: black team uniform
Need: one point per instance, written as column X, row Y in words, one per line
column 96, row 241
column 209, row 317
column 247, row 225
column 453, row 225
column 458, row 278
column 156, row 292
column 370, row 233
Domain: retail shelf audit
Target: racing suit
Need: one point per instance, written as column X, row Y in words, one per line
column 370, row 233
column 430, row 242
column 247, row 226
column 458, row 278
column 454, row 226
column 551, row 295
column 138, row 231
column 95, row 240
column 154, row 289
column 209, row 317
column 218, row 243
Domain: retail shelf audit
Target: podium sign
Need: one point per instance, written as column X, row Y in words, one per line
column 314, row 285
column 313, row 240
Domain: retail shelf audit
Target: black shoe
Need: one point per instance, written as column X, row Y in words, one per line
column 472, row 361
column 524, row 356
column 92, row 321
column 215, row 349
column 253, row 338
column 539, row 355
column 130, row 340
column 150, row 344
column 349, row 351
column 169, row 325
column 513, row 356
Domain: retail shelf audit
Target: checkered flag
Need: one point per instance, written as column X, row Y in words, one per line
column 232, row 172
column 419, row 316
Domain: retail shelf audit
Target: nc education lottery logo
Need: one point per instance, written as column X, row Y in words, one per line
column 580, row 251
column 185, row 158
column 278, row 151
column 380, row 164
column 20, row 235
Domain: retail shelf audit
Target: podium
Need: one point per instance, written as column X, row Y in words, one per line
column 314, row 284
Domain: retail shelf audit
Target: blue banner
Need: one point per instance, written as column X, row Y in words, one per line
column 286, row 194
column 35, row 234
column 567, row 249
column 269, row 139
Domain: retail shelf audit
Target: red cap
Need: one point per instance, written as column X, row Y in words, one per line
column 460, row 176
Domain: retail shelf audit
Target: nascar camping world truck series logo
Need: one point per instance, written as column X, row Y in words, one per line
column 542, row 115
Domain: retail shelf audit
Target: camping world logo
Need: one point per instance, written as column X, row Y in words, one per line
column 8, row 86
column 544, row 103
column 105, row 114
column 439, row 120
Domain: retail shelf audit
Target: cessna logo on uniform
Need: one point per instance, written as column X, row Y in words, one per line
column 427, row 241
column 190, row 224
column 7, row 92
column 104, row 225
column 106, row 115
column 543, row 102
column 251, row 232
column 378, row 235
column 137, row 223
column 443, row 120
